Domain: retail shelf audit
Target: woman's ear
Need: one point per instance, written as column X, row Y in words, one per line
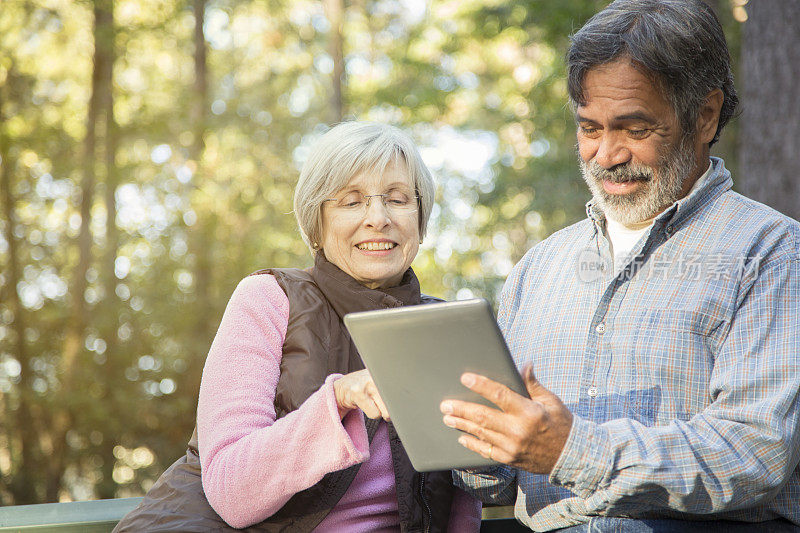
column 708, row 118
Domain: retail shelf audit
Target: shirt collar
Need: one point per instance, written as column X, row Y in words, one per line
column 717, row 181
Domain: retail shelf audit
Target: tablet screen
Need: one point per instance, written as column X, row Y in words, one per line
column 416, row 356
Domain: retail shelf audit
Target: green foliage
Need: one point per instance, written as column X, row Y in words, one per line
column 479, row 84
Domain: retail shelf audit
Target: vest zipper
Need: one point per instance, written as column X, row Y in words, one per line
column 426, row 525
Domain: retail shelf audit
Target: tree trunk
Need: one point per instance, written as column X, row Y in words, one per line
column 201, row 234
column 334, row 10
column 74, row 336
column 113, row 367
column 200, row 103
column 22, row 484
column 768, row 147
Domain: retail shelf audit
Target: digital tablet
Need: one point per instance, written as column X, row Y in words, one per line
column 416, row 356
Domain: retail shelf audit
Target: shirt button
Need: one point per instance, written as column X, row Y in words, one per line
column 601, row 328
column 592, row 391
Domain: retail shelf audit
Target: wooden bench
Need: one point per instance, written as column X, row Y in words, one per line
column 100, row 516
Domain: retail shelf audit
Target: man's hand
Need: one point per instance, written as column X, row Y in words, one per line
column 526, row 433
column 356, row 390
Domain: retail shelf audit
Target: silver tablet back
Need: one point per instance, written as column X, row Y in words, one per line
column 416, row 356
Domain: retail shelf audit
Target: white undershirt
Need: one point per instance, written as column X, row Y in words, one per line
column 623, row 237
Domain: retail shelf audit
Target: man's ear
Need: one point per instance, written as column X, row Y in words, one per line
column 708, row 119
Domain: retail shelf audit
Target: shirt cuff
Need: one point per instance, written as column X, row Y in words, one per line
column 586, row 460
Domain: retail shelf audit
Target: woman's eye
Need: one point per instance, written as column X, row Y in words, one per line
column 351, row 200
column 397, row 200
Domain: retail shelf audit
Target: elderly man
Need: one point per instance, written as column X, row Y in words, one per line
column 663, row 330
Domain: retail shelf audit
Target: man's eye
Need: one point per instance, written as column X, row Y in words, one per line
column 638, row 134
column 588, row 130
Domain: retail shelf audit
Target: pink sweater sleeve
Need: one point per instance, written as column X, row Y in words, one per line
column 251, row 463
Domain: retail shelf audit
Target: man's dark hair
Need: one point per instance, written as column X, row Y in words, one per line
column 679, row 44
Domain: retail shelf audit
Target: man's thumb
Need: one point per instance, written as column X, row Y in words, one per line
column 531, row 383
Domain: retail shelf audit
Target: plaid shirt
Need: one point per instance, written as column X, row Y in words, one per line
column 682, row 370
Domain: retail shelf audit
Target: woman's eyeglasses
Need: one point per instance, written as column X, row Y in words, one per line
column 396, row 202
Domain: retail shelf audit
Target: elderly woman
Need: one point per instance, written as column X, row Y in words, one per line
column 291, row 431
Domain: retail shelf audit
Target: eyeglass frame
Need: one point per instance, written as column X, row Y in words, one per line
column 368, row 198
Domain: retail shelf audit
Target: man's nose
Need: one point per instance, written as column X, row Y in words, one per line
column 612, row 152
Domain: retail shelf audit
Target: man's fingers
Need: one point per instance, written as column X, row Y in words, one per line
column 485, row 449
column 480, row 432
column 495, row 392
column 474, row 413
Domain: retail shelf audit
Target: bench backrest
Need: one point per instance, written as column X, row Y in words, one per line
column 100, row 516
column 71, row 517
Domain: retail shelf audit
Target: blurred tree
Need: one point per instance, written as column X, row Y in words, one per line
column 334, row 10
column 201, row 233
column 31, row 128
column 17, row 484
column 73, row 346
column 109, row 397
column 769, row 152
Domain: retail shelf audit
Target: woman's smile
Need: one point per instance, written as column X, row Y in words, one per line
column 378, row 245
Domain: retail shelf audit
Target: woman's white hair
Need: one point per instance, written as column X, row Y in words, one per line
column 346, row 150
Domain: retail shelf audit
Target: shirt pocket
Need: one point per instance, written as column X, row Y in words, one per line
column 671, row 357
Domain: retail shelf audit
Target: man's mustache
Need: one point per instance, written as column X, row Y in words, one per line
column 620, row 173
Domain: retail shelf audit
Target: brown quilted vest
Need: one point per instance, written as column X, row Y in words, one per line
column 317, row 344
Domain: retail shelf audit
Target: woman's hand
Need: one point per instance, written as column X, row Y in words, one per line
column 356, row 390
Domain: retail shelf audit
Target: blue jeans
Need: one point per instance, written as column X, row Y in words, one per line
column 629, row 525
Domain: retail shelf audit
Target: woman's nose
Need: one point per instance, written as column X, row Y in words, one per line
column 376, row 214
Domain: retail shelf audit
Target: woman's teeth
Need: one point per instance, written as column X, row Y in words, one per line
column 376, row 245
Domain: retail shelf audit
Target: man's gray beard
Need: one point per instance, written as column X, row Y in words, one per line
column 661, row 186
